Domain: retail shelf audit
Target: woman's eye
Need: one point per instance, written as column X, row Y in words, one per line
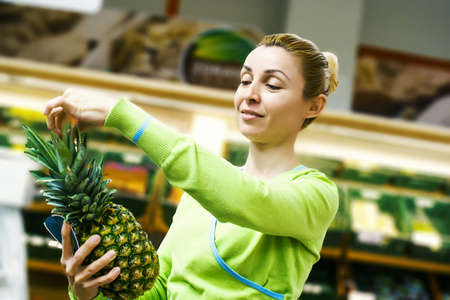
column 273, row 87
column 245, row 82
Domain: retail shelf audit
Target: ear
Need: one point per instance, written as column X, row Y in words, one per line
column 316, row 106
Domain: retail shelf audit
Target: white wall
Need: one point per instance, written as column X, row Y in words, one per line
column 333, row 26
column 266, row 15
column 414, row 26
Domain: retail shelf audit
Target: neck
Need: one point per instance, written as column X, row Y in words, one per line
column 266, row 162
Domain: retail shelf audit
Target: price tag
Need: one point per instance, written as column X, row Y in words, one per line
column 424, row 202
column 356, row 295
column 427, row 239
column 370, row 237
column 370, row 194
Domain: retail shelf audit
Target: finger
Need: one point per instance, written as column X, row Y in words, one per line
column 53, row 118
column 96, row 266
column 51, row 104
column 67, row 247
column 102, row 280
column 85, row 249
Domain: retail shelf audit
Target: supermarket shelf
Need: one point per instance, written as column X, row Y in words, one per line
column 398, row 262
column 44, row 266
column 335, row 253
column 39, row 207
column 206, row 96
column 128, row 83
column 331, row 252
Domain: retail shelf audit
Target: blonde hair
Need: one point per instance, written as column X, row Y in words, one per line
column 319, row 69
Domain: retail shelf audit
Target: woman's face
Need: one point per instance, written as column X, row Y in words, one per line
column 269, row 100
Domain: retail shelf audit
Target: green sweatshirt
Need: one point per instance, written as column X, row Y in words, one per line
column 269, row 232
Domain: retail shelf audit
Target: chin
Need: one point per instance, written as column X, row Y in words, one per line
column 253, row 137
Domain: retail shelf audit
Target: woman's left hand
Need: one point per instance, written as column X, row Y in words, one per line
column 88, row 109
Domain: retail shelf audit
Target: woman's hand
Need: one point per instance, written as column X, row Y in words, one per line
column 81, row 280
column 87, row 108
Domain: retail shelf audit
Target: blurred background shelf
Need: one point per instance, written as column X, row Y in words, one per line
column 49, row 80
column 398, row 262
column 36, row 265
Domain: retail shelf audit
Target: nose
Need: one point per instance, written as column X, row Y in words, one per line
column 252, row 93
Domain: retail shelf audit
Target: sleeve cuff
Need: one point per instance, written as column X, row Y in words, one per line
column 98, row 297
column 126, row 117
column 155, row 138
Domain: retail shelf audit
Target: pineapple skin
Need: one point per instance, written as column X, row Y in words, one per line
column 135, row 254
column 78, row 191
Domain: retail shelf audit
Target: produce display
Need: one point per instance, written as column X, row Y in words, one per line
column 368, row 217
column 379, row 221
column 321, row 282
column 77, row 189
column 391, row 284
column 430, row 228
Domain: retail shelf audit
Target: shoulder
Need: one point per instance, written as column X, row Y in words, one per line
column 311, row 182
column 312, row 176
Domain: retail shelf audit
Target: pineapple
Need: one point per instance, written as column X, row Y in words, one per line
column 78, row 191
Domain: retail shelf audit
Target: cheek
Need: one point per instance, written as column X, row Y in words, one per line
column 237, row 100
column 291, row 115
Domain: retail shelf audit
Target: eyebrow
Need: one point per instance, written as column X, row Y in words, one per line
column 268, row 71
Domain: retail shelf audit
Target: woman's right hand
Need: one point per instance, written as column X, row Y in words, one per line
column 87, row 108
column 81, row 280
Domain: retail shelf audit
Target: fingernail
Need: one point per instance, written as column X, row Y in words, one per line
column 115, row 271
column 95, row 239
column 111, row 253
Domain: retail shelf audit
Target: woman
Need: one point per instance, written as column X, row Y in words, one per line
column 238, row 233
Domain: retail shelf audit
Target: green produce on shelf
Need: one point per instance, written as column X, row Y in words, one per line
column 391, row 284
column 366, row 172
column 379, row 221
column 423, row 232
column 4, row 141
column 366, row 216
column 418, row 181
column 223, row 46
column 430, row 234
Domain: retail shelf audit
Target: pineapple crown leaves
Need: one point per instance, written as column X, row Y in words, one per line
column 75, row 187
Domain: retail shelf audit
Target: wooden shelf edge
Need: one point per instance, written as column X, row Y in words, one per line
column 44, row 266
column 331, row 252
column 398, row 262
column 377, row 124
column 118, row 82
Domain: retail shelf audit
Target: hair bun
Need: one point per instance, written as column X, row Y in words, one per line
column 333, row 69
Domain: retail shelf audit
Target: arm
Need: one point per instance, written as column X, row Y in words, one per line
column 280, row 206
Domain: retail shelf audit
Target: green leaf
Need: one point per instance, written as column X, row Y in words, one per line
column 63, row 154
column 43, row 148
column 81, row 188
column 91, row 186
column 71, row 180
column 40, row 175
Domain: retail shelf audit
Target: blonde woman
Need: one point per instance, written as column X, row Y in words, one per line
column 239, row 233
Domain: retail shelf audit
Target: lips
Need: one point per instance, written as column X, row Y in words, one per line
column 250, row 114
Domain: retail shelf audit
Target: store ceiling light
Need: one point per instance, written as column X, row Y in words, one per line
column 81, row 6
